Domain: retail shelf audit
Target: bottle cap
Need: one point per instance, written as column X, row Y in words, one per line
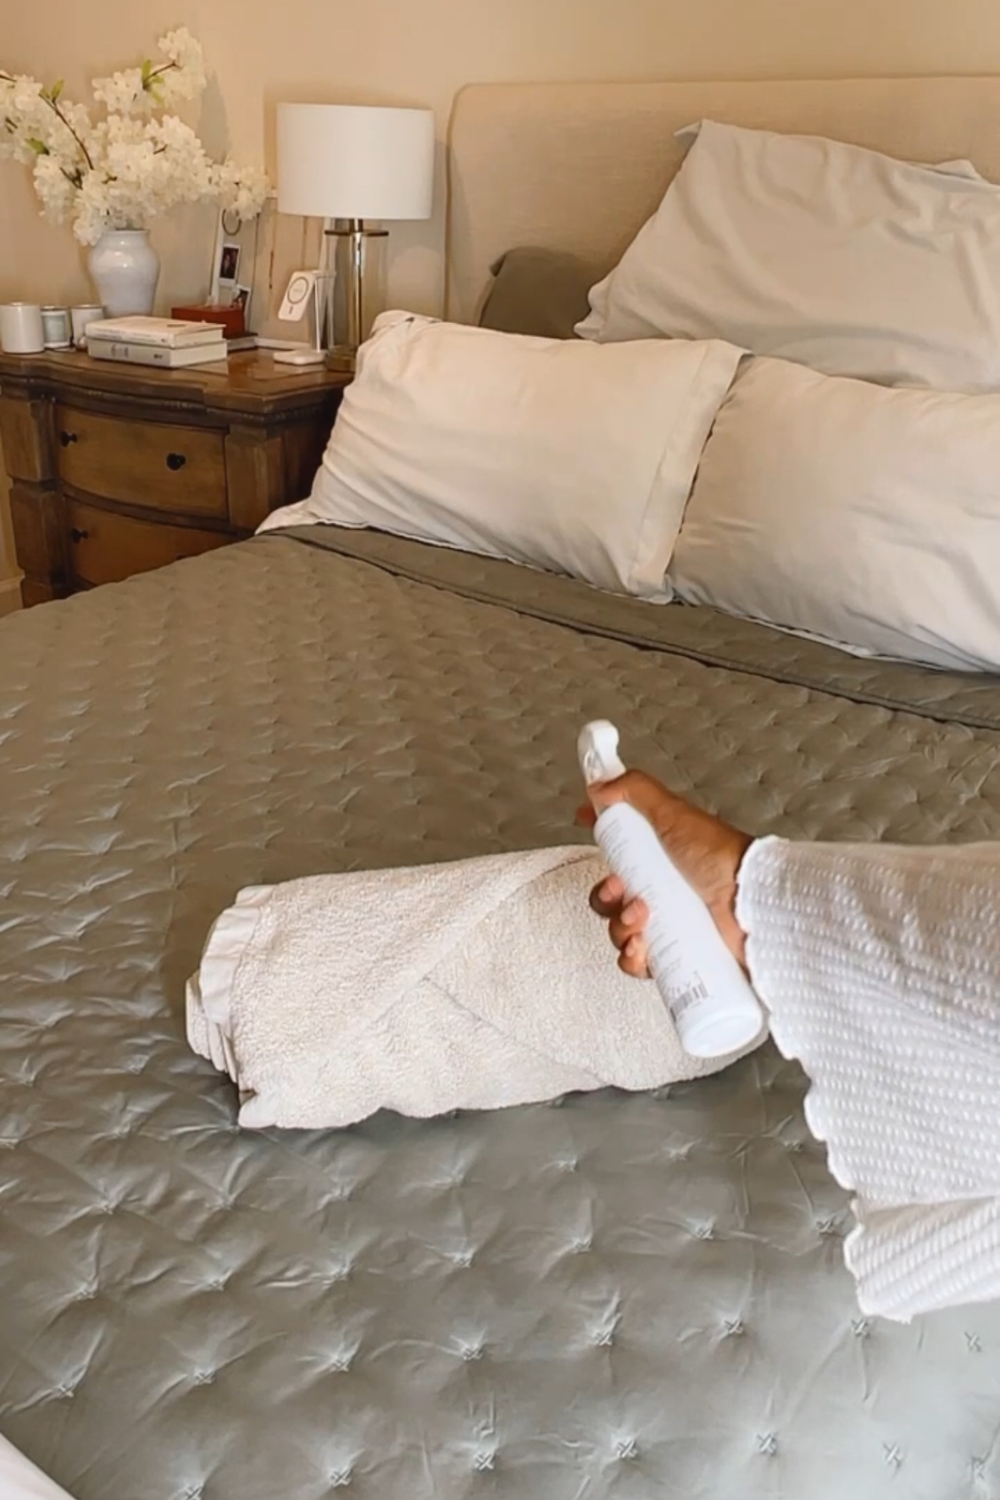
column 716, row 1031
column 597, row 748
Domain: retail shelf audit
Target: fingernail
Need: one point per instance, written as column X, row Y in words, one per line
column 631, row 947
column 630, row 913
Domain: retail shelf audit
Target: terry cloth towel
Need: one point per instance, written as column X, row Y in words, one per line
column 470, row 985
column 881, row 969
column 20, row 1480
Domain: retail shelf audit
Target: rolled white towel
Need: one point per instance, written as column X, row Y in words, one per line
column 470, row 985
column 20, row 1480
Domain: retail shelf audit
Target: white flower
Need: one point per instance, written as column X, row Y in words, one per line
column 24, row 116
column 184, row 77
column 27, row 104
column 137, row 162
column 184, row 49
column 243, row 189
column 93, row 210
column 156, row 85
column 122, row 92
column 57, row 192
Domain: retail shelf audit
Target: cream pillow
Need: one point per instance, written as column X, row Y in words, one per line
column 559, row 454
column 865, row 516
column 812, row 250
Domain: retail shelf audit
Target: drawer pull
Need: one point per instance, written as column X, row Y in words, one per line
column 176, row 461
column 68, row 437
column 77, row 535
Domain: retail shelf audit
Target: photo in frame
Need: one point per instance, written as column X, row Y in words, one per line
column 233, row 261
column 240, row 297
column 229, row 264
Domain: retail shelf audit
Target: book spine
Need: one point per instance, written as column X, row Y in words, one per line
column 159, row 340
column 132, row 354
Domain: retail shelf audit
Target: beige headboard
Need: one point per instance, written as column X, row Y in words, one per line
column 581, row 166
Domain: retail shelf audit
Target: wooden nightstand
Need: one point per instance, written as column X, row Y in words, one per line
column 115, row 469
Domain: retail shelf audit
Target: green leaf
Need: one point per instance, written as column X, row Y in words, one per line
column 57, row 89
column 39, row 147
column 147, row 70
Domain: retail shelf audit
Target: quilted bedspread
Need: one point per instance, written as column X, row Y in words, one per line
column 627, row 1296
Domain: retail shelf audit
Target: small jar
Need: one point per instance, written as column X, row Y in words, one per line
column 57, row 329
column 83, row 316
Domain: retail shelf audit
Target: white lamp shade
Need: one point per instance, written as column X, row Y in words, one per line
column 345, row 161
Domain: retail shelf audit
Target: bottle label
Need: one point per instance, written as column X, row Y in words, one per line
column 693, row 994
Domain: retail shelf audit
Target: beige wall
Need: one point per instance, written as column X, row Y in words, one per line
column 420, row 52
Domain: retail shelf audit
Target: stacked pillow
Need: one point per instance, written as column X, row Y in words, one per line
column 834, row 506
column 564, row 455
column 866, row 516
column 812, row 250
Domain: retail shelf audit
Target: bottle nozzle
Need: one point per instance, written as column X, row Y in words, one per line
column 597, row 748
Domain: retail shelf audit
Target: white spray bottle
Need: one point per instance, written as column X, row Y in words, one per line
column 702, row 985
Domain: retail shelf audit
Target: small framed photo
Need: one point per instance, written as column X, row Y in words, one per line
column 241, row 298
column 229, row 264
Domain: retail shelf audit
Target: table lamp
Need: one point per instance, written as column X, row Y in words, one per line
column 355, row 163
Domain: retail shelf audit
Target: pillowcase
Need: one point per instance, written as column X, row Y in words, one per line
column 831, row 255
column 562, row 455
column 536, row 291
column 865, row 516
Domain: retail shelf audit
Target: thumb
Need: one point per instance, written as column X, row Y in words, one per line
column 639, row 791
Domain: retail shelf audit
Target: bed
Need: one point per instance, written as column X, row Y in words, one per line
column 605, row 1295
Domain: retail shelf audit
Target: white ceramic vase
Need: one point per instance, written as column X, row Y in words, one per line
column 125, row 269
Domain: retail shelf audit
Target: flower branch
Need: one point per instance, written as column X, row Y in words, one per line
column 51, row 97
column 131, row 159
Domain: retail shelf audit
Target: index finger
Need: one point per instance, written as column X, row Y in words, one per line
column 651, row 798
column 607, row 896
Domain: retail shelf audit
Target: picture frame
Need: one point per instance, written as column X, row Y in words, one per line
column 230, row 255
column 234, row 264
column 240, row 297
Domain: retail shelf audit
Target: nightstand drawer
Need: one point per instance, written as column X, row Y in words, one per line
column 105, row 547
column 152, row 464
column 103, row 489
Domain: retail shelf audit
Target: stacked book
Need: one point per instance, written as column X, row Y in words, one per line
column 170, row 343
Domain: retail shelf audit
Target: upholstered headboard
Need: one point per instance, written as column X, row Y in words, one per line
column 581, row 166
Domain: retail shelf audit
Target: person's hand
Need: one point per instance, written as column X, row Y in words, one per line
column 706, row 851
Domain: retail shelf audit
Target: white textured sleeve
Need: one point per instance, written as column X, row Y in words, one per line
column 880, row 966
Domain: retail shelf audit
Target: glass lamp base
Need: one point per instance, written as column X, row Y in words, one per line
column 359, row 262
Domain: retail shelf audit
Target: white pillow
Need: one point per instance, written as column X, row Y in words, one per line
column 836, row 257
column 865, row 516
column 562, row 455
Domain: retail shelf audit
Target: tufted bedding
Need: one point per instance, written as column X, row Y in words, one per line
column 608, row 1296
